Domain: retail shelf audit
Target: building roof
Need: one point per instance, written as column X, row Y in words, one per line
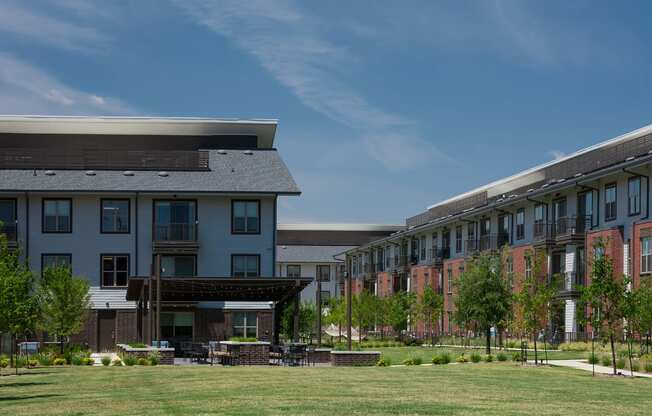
column 332, row 234
column 231, row 171
column 340, row 227
column 310, row 254
column 264, row 129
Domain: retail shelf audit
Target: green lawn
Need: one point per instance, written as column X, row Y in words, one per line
column 467, row 389
column 398, row 354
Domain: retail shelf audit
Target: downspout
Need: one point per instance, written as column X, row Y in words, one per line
column 27, row 226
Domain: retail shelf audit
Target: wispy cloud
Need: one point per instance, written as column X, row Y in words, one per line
column 556, row 154
column 25, row 89
column 284, row 40
column 27, row 24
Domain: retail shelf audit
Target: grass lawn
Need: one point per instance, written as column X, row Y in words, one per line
column 398, row 354
column 462, row 389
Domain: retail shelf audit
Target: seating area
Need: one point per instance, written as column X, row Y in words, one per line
column 232, row 353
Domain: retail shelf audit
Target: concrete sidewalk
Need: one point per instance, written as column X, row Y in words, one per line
column 599, row 369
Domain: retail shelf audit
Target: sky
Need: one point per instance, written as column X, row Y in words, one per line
column 384, row 107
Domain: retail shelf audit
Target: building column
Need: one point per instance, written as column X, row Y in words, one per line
column 295, row 315
column 570, row 315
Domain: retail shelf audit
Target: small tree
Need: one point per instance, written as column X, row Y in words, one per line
column 336, row 314
column 430, row 306
column 637, row 313
column 19, row 301
column 605, row 296
column 363, row 311
column 307, row 317
column 65, row 302
column 484, row 294
column 399, row 306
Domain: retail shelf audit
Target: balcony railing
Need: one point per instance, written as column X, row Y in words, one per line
column 10, row 231
column 572, row 227
column 438, row 255
column 181, row 232
column 487, row 242
column 544, row 232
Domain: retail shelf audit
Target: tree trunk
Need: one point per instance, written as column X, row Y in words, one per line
column 488, row 334
column 593, row 352
column 629, row 352
column 613, row 351
column 536, row 352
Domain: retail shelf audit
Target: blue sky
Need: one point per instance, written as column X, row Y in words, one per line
column 384, row 107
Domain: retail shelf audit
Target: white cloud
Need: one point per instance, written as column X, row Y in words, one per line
column 25, row 89
column 287, row 44
column 556, row 154
column 27, row 24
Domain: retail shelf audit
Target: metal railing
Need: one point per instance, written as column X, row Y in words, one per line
column 438, row 255
column 543, row 231
column 486, row 242
column 175, row 232
column 569, row 226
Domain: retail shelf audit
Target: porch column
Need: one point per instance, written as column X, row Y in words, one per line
column 318, row 317
column 295, row 330
column 150, row 315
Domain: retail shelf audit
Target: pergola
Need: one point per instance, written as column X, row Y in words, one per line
column 151, row 291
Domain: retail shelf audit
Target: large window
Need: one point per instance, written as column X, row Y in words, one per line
column 115, row 270
column 57, row 216
column 245, row 324
column 610, row 202
column 293, row 270
column 176, row 325
column 458, row 239
column 646, row 255
column 115, row 216
column 245, row 265
column 324, row 273
column 175, row 220
column 51, row 260
column 178, row 266
column 634, row 196
column 520, row 223
column 450, row 280
column 8, row 218
column 245, row 217
column 422, row 246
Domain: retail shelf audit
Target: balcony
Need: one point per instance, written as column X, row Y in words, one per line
column 400, row 263
column 572, row 230
column 569, row 286
column 438, row 255
column 175, row 238
column 488, row 242
column 11, row 233
column 544, row 234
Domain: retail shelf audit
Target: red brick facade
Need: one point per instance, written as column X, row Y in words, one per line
column 639, row 230
column 613, row 242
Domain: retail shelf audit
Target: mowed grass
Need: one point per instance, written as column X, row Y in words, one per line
column 398, row 354
column 460, row 389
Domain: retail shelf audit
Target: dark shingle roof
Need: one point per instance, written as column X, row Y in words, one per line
column 237, row 171
column 311, row 254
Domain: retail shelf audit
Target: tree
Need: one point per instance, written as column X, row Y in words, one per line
column 484, row 294
column 637, row 312
column 336, row 314
column 363, row 311
column 307, row 316
column 19, row 301
column 398, row 311
column 532, row 303
column 65, row 302
column 605, row 296
column 430, row 306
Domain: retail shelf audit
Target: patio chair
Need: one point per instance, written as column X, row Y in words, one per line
column 198, row 353
column 276, row 354
column 297, row 355
column 186, row 348
column 232, row 356
column 213, row 350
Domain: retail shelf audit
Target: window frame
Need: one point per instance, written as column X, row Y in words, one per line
column 194, row 256
column 520, row 227
column 629, row 197
column 449, row 280
column 43, row 255
column 102, row 201
column 319, row 267
column 608, row 186
column 155, row 220
column 459, row 245
column 233, row 230
column 287, row 270
column 114, row 256
column 649, row 254
column 244, row 255
column 246, row 325
column 14, row 201
column 43, row 201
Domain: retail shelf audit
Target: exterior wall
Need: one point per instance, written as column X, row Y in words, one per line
column 309, row 294
column 449, row 292
column 639, row 230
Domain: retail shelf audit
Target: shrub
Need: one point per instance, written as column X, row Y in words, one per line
column 77, row 360
column 648, row 366
column 117, row 362
column 510, row 343
column 516, row 356
column 137, row 345
column 385, row 344
column 489, row 358
column 142, row 361
column 45, row 360
column 635, row 366
column 4, row 362
column 31, row 363
column 462, row 359
column 606, row 361
column 620, row 363
column 243, row 339
column 106, row 361
column 384, row 362
column 475, row 357
column 154, row 359
column 59, row 361
column 412, row 360
column 89, row 361
column 129, row 361
column 501, row 356
column 445, row 357
column 594, row 359
column 575, row 346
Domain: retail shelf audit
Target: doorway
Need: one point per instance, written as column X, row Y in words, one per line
column 106, row 320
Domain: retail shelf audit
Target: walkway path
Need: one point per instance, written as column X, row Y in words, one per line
column 599, row 369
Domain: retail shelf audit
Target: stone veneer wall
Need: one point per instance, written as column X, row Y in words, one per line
column 319, row 356
column 354, row 358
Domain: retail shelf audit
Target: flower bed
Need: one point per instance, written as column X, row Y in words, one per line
column 166, row 355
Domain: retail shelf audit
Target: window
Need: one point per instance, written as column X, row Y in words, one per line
column 380, row 260
column 423, row 247
column 528, row 266
column 446, row 239
column 115, row 270
column 510, row 271
column 245, row 324
column 503, row 230
column 178, row 266
column 175, row 220
column 176, row 325
column 245, row 217
column 57, row 216
column 324, row 273
column 520, row 223
column 245, row 265
column 634, row 196
column 646, row 255
column 8, row 218
column 450, row 279
column 458, row 239
column 50, row 260
column 610, row 202
column 449, row 315
column 388, row 257
column 115, row 216
column 293, row 270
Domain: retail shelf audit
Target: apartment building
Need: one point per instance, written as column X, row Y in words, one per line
column 113, row 197
column 558, row 209
column 318, row 250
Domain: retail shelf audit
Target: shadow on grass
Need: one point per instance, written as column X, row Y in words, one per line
column 26, row 384
column 35, row 396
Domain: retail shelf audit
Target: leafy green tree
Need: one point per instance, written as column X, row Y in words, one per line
column 19, row 300
column 399, row 307
column 484, row 294
column 307, row 317
column 336, row 314
column 637, row 312
column 363, row 311
column 605, row 296
column 65, row 302
column 430, row 306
